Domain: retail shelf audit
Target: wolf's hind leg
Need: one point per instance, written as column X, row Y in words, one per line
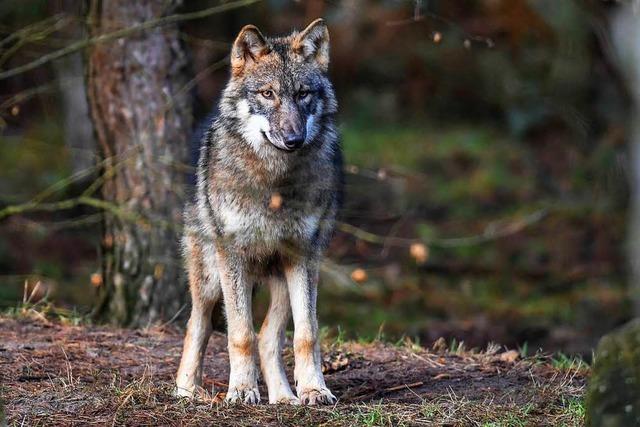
column 271, row 342
column 205, row 291
column 189, row 376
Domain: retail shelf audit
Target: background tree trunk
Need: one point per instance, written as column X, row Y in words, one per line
column 142, row 116
column 70, row 73
column 626, row 39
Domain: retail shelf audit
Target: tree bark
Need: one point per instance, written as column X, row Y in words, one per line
column 142, row 118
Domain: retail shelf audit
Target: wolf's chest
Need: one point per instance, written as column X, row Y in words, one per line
column 261, row 227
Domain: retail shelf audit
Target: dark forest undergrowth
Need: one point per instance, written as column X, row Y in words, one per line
column 58, row 374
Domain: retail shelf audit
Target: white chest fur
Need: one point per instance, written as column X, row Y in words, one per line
column 264, row 229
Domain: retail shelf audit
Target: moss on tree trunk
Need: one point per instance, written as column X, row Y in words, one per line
column 613, row 397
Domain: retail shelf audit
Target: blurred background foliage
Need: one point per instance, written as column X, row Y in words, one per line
column 459, row 119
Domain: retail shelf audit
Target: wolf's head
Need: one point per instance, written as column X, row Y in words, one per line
column 279, row 92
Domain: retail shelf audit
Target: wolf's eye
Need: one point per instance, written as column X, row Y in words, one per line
column 303, row 94
column 268, row 94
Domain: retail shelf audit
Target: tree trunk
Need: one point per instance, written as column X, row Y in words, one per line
column 142, row 117
column 626, row 39
column 70, row 72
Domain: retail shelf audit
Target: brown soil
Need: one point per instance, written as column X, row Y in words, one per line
column 53, row 374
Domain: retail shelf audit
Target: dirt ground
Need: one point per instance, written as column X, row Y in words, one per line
column 54, row 374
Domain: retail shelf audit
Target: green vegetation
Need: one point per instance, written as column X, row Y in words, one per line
column 563, row 362
column 471, row 181
column 43, row 309
column 31, row 162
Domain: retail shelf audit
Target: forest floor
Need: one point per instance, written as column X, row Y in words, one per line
column 57, row 374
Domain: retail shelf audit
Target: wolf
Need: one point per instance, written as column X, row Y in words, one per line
column 269, row 187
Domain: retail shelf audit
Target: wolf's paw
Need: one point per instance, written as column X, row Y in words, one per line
column 247, row 395
column 321, row 396
column 194, row 392
column 188, row 392
column 285, row 400
column 181, row 392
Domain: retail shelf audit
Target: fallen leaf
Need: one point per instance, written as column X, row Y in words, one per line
column 359, row 275
column 419, row 252
column 96, row 280
column 509, row 356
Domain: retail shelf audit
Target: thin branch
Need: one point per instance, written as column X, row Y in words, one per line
column 490, row 234
column 69, row 204
column 34, row 33
column 82, row 221
column 26, row 95
column 420, row 15
column 35, row 28
column 152, row 23
column 194, row 81
column 65, row 182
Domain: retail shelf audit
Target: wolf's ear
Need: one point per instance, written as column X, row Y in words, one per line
column 249, row 46
column 313, row 44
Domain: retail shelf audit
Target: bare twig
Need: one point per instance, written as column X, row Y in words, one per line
column 152, row 23
column 404, row 386
column 420, row 14
column 52, row 21
column 32, row 33
column 491, row 233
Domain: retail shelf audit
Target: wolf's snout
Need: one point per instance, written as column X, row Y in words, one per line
column 294, row 141
column 292, row 128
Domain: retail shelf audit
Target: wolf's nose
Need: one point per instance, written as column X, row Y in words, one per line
column 293, row 141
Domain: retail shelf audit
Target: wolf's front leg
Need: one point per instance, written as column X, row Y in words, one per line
column 302, row 281
column 236, row 290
